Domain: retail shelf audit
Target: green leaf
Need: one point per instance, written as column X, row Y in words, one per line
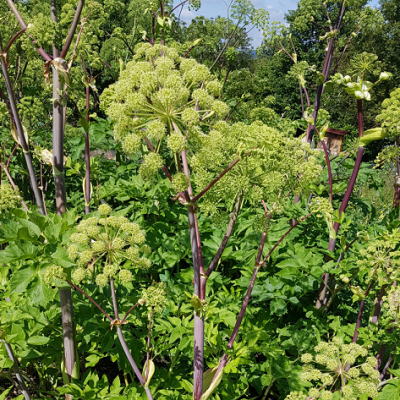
column 391, row 391
column 61, row 257
column 328, row 87
column 176, row 333
column 83, row 123
column 395, row 372
column 38, row 340
column 52, row 232
column 320, row 78
column 9, row 232
column 30, row 225
column 278, row 307
column 17, row 251
column 3, row 396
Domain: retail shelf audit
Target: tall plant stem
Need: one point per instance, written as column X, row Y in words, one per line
column 42, row 188
column 221, row 175
column 58, row 146
column 396, row 197
column 382, row 347
column 17, row 372
column 87, row 159
column 70, row 361
column 246, row 300
column 67, row 315
column 21, row 137
column 123, row 342
column 90, row 299
column 258, row 263
column 360, row 312
column 327, row 303
column 317, row 103
column 387, row 365
column 325, row 70
column 148, row 346
column 301, row 99
column 378, row 305
column 345, row 202
column 328, row 164
column 200, row 281
column 268, row 388
column 227, row 235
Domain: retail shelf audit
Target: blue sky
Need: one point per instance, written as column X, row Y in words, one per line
column 276, row 9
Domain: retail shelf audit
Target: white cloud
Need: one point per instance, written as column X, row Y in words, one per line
column 187, row 15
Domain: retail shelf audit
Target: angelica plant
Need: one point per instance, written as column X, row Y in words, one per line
column 357, row 85
column 169, row 104
column 337, row 366
column 99, row 248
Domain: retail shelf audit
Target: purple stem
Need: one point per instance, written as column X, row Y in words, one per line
column 17, row 372
column 13, row 39
column 199, row 290
column 221, row 175
column 179, row 5
column 328, row 163
column 12, row 153
column 129, row 311
column 89, row 298
column 387, row 365
column 283, row 237
column 21, row 137
column 72, row 29
column 246, row 300
column 345, row 202
column 378, row 305
column 87, row 158
column 226, row 237
column 360, row 312
column 257, row 266
column 301, row 99
column 123, row 342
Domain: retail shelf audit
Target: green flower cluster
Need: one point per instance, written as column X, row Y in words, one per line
column 9, row 198
column 180, row 182
column 335, row 366
column 110, row 240
column 381, row 259
column 391, row 302
column 53, row 274
column 155, row 297
column 323, row 208
column 271, row 164
column 390, row 115
column 161, row 94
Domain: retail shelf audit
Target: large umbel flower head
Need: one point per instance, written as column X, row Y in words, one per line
column 336, row 366
column 170, row 101
column 163, row 98
column 106, row 241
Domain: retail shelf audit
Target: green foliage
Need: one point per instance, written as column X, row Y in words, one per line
column 245, row 109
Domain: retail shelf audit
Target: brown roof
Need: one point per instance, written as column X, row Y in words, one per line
column 337, row 131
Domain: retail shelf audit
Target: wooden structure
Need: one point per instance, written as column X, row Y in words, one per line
column 334, row 140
